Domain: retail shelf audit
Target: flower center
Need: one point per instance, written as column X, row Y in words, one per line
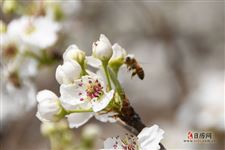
column 10, row 51
column 30, row 28
column 94, row 89
column 14, row 79
column 129, row 142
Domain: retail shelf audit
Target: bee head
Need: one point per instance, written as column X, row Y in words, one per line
column 129, row 58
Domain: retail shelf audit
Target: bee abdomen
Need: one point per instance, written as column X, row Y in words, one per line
column 140, row 73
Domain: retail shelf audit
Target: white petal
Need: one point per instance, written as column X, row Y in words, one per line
column 74, row 53
column 48, row 109
column 69, row 51
column 70, row 95
column 46, row 95
column 42, row 27
column 41, row 118
column 113, row 143
column 59, row 75
column 118, row 51
column 102, row 49
column 103, row 102
column 78, row 119
column 68, row 72
column 106, row 117
column 150, row 137
column 104, row 39
column 94, row 62
column 28, row 67
column 90, row 73
column 93, row 78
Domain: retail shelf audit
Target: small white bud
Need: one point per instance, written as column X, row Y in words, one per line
column 68, row 72
column 102, row 49
column 118, row 56
column 48, row 106
column 47, row 128
column 74, row 53
column 91, row 131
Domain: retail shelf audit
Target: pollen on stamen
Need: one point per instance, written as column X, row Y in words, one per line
column 81, row 99
column 80, row 94
column 80, row 84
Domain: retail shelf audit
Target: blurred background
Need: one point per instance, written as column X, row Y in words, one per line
column 180, row 45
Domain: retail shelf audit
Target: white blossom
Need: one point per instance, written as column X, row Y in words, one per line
column 119, row 54
column 204, row 107
column 74, row 53
column 9, row 47
column 68, row 72
column 148, row 139
column 89, row 92
column 48, row 106
column 102, row 49
column 40, row 32
column 16, row 100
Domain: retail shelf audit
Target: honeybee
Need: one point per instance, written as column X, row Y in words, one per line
column 132, row 64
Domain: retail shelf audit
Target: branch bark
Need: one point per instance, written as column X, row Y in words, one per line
column 132, row 120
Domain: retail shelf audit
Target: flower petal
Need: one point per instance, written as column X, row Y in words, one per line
column 46, row 95
column 78, row 119
column 48, row 109
column 106, row 117
column 94, row 62
column 101, row 103
column 118, row 51
column 149, row 138
column 113, row 143
column 68, row 52
column 68, row 72
column 72, row 95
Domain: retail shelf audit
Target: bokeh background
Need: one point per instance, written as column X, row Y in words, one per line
column 180, row 45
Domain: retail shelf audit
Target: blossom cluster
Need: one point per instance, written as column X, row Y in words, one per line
column 24, row 48
column 84, row 93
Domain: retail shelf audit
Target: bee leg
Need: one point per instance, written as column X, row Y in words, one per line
column 134, row 73
column 133, row 66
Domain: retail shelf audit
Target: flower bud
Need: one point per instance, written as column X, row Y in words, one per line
column 102, row 49
column 47, row 128
column 74, row 53
column 91, row 131
column 118, row 56
column 68, row 72
column 48, row 106
column 9, row 6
